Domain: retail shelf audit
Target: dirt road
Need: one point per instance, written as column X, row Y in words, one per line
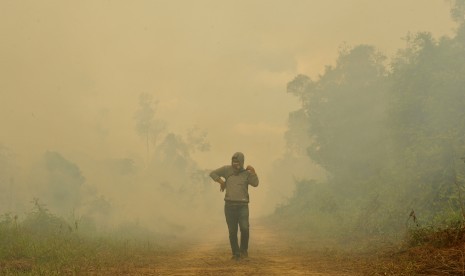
column 268, row 255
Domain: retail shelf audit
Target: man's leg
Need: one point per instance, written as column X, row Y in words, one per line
column 232, row 219
column 244, row 226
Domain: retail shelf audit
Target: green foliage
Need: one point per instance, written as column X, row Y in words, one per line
column 389, row 140
column 40, row 222
column 297, row 133
column 45, row 244
column 447, row 236
column 426, row 119
column 344, row 112
column 458, row 11
column 314, row 207
column 64, row 179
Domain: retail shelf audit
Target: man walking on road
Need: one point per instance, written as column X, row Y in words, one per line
column 236, row 180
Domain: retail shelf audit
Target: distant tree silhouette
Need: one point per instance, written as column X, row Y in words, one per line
column 147, row 126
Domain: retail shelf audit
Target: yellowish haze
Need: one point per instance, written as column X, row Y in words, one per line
column 71, row 72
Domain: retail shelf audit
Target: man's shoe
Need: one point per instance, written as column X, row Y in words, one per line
column 244, row 254
column 235, row 257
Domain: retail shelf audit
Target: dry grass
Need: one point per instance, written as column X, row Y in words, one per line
column 62, row 251
column 427, row 251
column 424, row 251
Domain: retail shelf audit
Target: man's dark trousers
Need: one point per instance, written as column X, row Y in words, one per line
column 237, row 214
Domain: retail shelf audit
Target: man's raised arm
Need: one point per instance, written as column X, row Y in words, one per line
column 253, row 178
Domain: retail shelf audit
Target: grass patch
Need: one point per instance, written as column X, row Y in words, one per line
column 43, row 244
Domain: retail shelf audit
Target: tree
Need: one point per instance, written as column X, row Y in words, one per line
column 63, row 183
column 427, row 118
column 344, row 113
column 457, row 11
column 391, row 141
column 147, row 126
column 197, row 140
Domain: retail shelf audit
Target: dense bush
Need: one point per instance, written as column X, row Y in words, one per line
column 389, row 138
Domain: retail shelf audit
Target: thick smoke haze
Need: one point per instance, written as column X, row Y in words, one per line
column 72, row 74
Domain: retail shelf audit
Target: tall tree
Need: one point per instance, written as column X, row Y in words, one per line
column 196, row 139
column 147, row 126
column 427, row 117
column 398, row 134
column 345, row 114
column 64, row 180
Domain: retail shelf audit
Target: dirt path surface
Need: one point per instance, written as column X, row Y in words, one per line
column 268, row 255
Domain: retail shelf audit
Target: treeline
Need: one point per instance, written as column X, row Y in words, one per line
column 163, row 190
column 390, row 135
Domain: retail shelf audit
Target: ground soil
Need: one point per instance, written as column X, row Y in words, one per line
column 269, row 254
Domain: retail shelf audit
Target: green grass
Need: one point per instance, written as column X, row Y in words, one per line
column 25, row 252
column 43, row 244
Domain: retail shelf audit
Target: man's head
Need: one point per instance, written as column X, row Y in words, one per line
column 237, row 161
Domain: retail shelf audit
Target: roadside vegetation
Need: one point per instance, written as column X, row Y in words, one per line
column 389, row 135
column 44, row 244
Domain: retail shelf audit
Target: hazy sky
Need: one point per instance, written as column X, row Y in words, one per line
column 71, row 71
